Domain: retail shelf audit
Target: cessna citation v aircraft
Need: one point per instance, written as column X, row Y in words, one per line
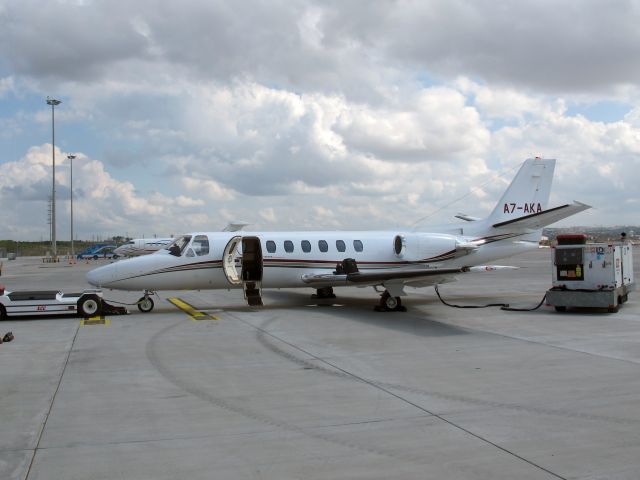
column 389, row 260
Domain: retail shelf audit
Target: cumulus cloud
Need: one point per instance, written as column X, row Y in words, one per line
column 328, row 46
column 304, row 114
column 598, row 162
column 436, row 125
column 102, row 204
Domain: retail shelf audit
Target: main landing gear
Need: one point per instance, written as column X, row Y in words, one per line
column 323, row 293
column 389, row 303
column 145, row 304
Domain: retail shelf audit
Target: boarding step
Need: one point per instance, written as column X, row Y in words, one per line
column 253, row 294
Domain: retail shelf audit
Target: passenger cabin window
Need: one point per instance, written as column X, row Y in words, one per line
column 323, row 246
column 306, row 246
column 201, row 245
column 288, row 246
column 357, row 245
column 271, row 246
column 340, row 246
column 178, row 245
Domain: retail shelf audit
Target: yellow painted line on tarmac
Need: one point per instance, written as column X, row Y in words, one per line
column 85, row 322
column 192, row 312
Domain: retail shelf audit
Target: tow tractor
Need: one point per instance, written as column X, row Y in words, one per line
column 53, row 302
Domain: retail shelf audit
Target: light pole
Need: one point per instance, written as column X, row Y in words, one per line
column 73, row 255
column 54, row 247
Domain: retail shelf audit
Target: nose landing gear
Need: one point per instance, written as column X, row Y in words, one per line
column 145, row 303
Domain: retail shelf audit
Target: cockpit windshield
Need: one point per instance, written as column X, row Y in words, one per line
column 178, row 245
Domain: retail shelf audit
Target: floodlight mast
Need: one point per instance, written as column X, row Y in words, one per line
column 73, row 254
column 54, row 247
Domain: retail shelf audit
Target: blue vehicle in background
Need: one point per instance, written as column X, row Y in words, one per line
column 102, row 250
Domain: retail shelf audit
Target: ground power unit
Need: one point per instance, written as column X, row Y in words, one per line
column 590, row 275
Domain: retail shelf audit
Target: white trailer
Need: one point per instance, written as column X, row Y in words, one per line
column 596, row 275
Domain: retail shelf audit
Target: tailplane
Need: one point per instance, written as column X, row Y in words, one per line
column 523, row 207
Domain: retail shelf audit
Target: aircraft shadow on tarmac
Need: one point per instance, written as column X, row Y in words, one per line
column 358, row 309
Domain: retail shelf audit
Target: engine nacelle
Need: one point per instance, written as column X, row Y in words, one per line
column 429, row 247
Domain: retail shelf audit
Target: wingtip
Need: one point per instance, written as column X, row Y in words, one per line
column 580, row 204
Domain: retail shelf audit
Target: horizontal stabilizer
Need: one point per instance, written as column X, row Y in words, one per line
column 536, row 221
column 467, row 218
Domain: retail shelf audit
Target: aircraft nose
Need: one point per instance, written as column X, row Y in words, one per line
column 101, row 276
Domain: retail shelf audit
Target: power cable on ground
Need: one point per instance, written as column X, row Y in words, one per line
column 503, row 306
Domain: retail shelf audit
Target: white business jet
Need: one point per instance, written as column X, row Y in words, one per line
column 386, row 260
column 142, row 246
column 145, row 246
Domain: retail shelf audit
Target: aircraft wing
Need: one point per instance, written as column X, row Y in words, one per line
column 538, row 220
column 424, row 276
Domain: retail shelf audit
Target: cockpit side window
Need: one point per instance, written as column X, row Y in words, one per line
column 178, row 245
column 201, row 245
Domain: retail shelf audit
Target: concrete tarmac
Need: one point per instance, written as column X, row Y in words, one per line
column 312, row 389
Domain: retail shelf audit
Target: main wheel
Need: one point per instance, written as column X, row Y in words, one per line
column 145, row 304
column 3, row 313
column 390, row 302
column 89, row 306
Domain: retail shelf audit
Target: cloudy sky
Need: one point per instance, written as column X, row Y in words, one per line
column 293, row 114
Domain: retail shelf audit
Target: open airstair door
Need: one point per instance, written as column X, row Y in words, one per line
column 245, row 252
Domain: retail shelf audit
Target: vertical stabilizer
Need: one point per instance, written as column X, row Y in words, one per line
column 528, row 193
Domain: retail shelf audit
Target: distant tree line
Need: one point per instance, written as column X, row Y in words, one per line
column 40, row 249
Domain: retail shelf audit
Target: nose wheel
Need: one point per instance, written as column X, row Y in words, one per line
column 145, row 304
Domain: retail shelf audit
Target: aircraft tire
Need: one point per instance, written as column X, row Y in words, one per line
column 145, row 304
column 3, row 313
column 89, row 306
column 390, row 303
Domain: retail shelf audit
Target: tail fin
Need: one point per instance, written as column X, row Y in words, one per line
column 528, row 193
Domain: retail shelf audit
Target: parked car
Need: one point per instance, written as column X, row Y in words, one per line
column 105, row 251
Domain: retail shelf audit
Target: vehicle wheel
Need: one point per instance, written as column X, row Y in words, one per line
column 3, row 313
column 145, row 304
column 389, row 302
column 561, row 309
column 95, row 257
column 90, row 306
column 115, row 257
